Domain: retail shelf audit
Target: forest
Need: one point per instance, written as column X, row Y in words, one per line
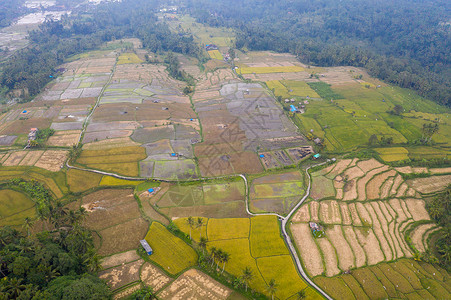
column 9, row 10
column 403, row 42
column 33, row 67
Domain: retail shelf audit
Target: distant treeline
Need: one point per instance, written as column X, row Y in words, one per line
column 9, row 10
column 404, row 42
column 32, row 67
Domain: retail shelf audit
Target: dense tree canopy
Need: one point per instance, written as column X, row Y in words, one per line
column 404, row 42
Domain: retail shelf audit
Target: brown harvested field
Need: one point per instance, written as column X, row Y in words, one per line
column 359, row 253
column 402, row 190
column 235, row 209
column 110, row 144
column 404, row 207
column 344, row 251
column 374, row 185
column 284, row 177
column 371, row 246
column 420, row 170
column 122, row 275
column 104, row 214
column 350, row 190
column 119, row 259
column 302, row 215
column 314, row 209
column 80, row 181
column 440, row 170
column 430, row 184
column 31, row 158
column 384, row 219
column 14, row 158
column 368, row 165
column 193, row 284
column 397, row 182
column 417, row 236
column 379, row 230
column 405, row 170
column 52, row 160
column 23, row 126
column 354, row 172
column 339, row 194
column 123, row 236
column 354, row 214
column 154, row 277
column 329, row 257
column 308, row 249
column 345, row 215
column 215, row 166
column 361, row 184
column 363, row 213
column 340, row 166
column 330, row 212
column 386, row 188
column 417, row 209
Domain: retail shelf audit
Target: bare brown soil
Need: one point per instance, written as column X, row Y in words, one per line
column 308, row 249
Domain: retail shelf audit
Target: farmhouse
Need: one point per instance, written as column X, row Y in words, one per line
column 211, row 47
column 146, row 247
column 32, row 134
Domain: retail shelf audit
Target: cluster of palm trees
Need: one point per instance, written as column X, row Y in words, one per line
column 195, row 223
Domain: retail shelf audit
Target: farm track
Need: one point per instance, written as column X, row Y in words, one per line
column 284, row 220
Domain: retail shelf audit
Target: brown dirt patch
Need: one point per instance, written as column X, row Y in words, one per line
column 52, row 160
column 23, row 126
column 329, row 257
column 402, row 190
column 193, row 284
column 302, row 215
column 154, row 277
column 308, row 249
column 373, row 186
column 110, row 144
column 31, row 158
column 368, row 165
column 14, row 158
column 119, row 259
column 417, row 209
column 382, row 218
column 344, row 251
column 123, row 294
column 339, row 194
column 330, row 212
column 361, row 184
column 350, row 190
column 284, row 177
column 122, row 275
column 122, row 237
column 430, row 184
column 235, row 209
column 360, row 257
column 405, row 170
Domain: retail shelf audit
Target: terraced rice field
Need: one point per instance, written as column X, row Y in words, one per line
column 255, row 243
column 215, row 54
column 366, row 223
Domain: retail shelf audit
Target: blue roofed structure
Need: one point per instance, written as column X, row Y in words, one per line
column 146, row 247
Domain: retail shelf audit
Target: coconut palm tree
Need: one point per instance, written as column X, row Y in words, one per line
column 247, row 276
column 218, row 257
column 14, row 288
column 272, row 288
column 203, row 244
column 27, row 225
column 213, row 252
column 225, row 258
column 200, row 224
column 190, row 222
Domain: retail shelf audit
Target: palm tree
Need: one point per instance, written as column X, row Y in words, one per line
column 190, row 222
column 272, row 288
column 203, row 244
column 213, row 252
column 200, row 224
column 28, row 224
column 14, row 288
column 301, row 295
column 218, row 257
column 225, row 258
column 247, row 276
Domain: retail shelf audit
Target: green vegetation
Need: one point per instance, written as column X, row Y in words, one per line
column 324, row 91
column 15, row 207
column 169, row 251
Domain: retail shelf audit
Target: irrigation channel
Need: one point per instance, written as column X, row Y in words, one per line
column 284, row 220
